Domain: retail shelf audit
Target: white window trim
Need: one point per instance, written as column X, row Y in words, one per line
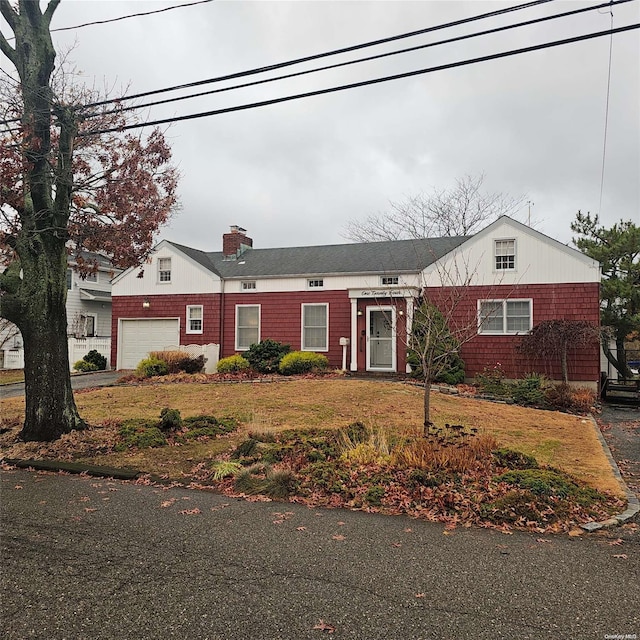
column 248, row 285
column 504, row 331
column 84, row 324
column 389, row 284
column 170, row 270
column 315, row 286
column 188, row 328
column 302, row 327
column 515, row 255
column 238, row 306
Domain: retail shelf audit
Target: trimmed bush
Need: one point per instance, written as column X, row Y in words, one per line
column 140, row 434
column 297, row 362
column 265, row 356
column 170, row 419
column 530, row 391
column 92, row 361
column 151, row 366
column 84, row 366
column 97, row 359
column 233, row 364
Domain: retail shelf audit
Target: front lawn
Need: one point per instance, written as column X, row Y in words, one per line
column 288, row 413
column 8, row 376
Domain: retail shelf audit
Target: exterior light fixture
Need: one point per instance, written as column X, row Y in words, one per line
column 360, row 312
column 146, row 304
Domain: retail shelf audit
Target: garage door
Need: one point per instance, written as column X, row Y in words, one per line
column 139, row 337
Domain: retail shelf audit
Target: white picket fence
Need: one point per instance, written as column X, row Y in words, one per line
column 78, row 348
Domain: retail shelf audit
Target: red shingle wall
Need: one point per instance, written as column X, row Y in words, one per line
column 579, row 301
column 281, row 319
column 169, row 306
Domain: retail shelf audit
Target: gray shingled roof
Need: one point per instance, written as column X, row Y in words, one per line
column 396, row 256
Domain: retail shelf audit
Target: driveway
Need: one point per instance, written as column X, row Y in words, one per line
column 96, row 559
column 620, row 426
column 84, row 381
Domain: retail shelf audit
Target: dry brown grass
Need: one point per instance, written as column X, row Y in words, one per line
column 8, row 376
column 565, row 441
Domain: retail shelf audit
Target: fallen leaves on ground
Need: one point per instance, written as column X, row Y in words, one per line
column 324, row 626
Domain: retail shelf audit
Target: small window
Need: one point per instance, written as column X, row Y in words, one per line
column 249, row 285
column 194, row 319
column 388, row 280
column 247, row 326
column 69, row 280
column 315, row 283
column 505, row 255
column 91, row 277
column 315, row 327
column 504, row 316
column 164, row 269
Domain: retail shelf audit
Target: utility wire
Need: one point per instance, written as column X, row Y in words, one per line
column 312, row 57
column 359, row 60
column 132, row 15
column 408, row 74
column 606, row 117
column 334, row 52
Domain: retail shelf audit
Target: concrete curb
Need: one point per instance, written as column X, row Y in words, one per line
column 633, row 504
column 74, row 467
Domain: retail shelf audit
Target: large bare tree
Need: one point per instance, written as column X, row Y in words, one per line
column 61, row 187
column 456, row 211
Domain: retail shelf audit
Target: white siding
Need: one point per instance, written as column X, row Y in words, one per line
column 331, row 283
column 539, row 260
column 77, row 306
column 187, row 276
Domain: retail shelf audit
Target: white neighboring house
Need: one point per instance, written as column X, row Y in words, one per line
column 88, row 316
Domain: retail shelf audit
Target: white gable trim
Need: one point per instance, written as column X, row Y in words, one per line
column 166, row 244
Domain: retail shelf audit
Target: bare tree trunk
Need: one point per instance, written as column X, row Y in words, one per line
column 50, row 407
column 35, row 300
column 427, row 408
column 565, row 368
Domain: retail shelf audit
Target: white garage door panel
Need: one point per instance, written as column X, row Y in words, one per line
column 139, row 337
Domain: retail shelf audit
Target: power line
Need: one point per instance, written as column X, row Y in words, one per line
column 132, row 15
column 606, row 118
column 305, row 59
column 317, row 56
column 354, row 85
column 366, row 59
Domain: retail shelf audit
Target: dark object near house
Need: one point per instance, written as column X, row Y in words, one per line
column 625, row 391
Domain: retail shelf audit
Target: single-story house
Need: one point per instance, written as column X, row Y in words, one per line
column 355, row 302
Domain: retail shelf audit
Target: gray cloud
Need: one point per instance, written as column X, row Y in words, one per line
column 292, row 174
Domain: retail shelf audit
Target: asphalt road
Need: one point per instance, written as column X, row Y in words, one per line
column 85, row 558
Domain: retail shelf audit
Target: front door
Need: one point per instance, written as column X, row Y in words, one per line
column 381, row 339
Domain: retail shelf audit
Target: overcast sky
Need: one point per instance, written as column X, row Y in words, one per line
column 294, row 173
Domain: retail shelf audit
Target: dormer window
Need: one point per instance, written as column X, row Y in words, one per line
column 164, row 269
column 315, row 283
column 505, row 255
column 387, row 281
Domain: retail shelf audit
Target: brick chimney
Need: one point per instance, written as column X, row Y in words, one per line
column 235, row 242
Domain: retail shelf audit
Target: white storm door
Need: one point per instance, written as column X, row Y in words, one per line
column 381, row 339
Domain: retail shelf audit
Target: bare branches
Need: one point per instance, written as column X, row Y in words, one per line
column 458, row 211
